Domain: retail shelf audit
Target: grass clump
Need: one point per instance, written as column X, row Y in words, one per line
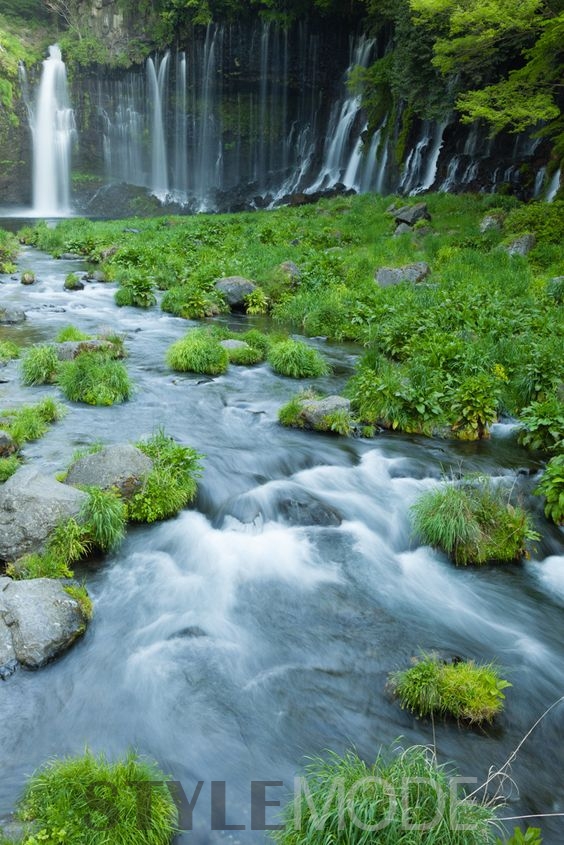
column 71, row 333
column 245, row 356
column 38, row 566
column 40, row 365
column 60, row 800
column 96, row 379
column 171, row 484
column 8, row 351
column 32, row 421
column 402, row 799
column 462, row 689
column 80, row 594
column 8, row 467
column 198, row 352
column 473, row 522
column 551, row 486
column 296, row 359
column 104, row 516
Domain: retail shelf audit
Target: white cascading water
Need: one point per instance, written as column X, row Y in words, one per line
column 53, row 131
column 553, row 186
column 180, row 131
column 157, row 76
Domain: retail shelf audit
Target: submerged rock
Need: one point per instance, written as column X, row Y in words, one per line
column 10, row 316
column 388, row 276
column 31, row 506
column 235, row 289
column 40, row 618
column 122, row 466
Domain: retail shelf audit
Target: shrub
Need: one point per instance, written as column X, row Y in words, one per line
column 543, row 425
column 461, row 689
column 297, row 360
column 104, row 518
column 136, row 289
column 256, row 302
column 473, row 522
column 40, row 365
column 192, row 302
column 198, row 352
column 8, row 466
column 171, row 485
column 407, row 787
column 95, row 379
column 474, row 406
column 8, row 350
column 551, row 486
column 59, row 797
column 71, row 333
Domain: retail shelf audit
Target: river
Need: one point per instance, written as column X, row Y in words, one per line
column 259, row 626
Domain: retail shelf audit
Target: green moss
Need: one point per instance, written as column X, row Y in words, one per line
column 462, row 689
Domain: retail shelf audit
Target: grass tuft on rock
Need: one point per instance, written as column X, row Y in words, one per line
column 473, row 522
column 8, row 466
column 71, row 333
column 405, row 797
column 296, row 359
column 30, row 422
column 198, row 352
column 95, row 379
column 8, row 351
column 104, row 516
column 60, row 800
column 40, row 365
column 172, row 483
column 462, row 689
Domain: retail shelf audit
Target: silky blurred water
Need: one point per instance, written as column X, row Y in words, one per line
column 259, row 626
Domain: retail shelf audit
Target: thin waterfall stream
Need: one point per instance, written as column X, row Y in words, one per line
column 259, row 626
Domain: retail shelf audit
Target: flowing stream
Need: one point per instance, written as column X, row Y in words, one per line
column 259, row 626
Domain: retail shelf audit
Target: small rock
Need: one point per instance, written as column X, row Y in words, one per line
column 403, row 229
column 71, row 349
column 235, row 289
column 27, row 277
column 108, row 252
column 72, row 282
column 70, row 256
column 8, row 669
column 388, row 276
column 131, row 230
column 122, row 466
column 410, row 214
column 313, row 411
column 10, row 316
column 291, row 271
column 7, row 445
column 521, row 245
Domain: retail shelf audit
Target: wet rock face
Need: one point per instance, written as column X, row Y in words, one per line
column 38, row 621
column 31, row 506
column 121, row 466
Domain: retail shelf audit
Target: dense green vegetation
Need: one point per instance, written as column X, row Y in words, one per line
column 296, row 359
column 473, row 521
column 60, row 801
column 407, row 785
column 480, row 337
column 551, row 486
column 461, row 689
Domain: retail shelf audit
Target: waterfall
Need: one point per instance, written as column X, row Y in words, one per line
column 157, row 77
column 553, row 186
column 180, row 181
column 420, row 168
column 53, row 131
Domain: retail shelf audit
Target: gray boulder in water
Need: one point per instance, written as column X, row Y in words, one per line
column 121, row 466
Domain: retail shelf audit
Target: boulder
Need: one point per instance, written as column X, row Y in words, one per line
column 291, row 271
column 313, row 411
column 31, row 506
column 10, row 316
column 234, row 344
column 72, row 282
column 41, row 618
column 521, row 245
column 410, row 214
column 7, row 445
column 27, row 277
column 122, row 466
column 70, row 349
column 235, row 289
column 388, row 276
column 403, row 229
column 490, row 222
